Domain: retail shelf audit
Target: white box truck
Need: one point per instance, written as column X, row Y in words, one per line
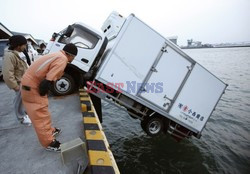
column 132, row 66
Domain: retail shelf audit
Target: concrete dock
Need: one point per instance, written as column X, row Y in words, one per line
column 20, row 150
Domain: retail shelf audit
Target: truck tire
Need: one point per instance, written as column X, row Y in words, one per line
column 64, row 86
column 153, row 126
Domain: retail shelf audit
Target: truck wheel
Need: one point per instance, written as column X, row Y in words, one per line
column 153, row 126
column 64, row 86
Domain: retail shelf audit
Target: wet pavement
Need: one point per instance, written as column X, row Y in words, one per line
column 20, row 151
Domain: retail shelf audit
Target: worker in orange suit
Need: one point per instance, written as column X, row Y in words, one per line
column 35, row 86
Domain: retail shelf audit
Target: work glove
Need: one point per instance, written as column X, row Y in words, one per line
column 44, row 87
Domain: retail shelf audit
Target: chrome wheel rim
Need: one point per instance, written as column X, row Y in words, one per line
column 154, row 127
column 62, row 85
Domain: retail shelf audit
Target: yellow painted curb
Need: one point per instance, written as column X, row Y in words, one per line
column 89, row 120
column 99, row 158
column 84, row 98
column 93, row 135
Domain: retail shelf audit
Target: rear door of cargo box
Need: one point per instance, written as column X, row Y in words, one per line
column 197, row 99
column 166, row 79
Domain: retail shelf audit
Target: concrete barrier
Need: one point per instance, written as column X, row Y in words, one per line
column 101, row 159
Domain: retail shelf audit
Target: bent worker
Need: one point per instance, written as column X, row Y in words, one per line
column 35, row 86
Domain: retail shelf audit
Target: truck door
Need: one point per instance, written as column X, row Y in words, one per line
column 166, row 78
column 197, row 99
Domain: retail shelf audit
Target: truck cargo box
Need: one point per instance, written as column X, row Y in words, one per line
column 158, row 74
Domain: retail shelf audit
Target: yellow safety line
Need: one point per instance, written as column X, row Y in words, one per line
column 84, row 98
column 97, row 158
column 90, row 120
column 93, row 135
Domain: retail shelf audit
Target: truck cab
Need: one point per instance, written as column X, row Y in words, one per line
column 90, row 44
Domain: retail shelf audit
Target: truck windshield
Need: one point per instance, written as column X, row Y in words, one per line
column 81, row 38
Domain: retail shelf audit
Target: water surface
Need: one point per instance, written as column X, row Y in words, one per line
column 225, row 143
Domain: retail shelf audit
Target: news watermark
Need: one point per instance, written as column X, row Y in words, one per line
column 131, row 87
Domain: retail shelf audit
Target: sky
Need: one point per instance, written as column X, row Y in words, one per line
column 208, row 21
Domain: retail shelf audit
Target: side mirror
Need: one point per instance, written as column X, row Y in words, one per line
column 69, row 31
column 54, row 36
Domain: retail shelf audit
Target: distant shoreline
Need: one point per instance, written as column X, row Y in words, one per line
column 233, row 46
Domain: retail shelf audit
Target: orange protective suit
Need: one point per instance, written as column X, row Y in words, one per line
column 50, row 67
